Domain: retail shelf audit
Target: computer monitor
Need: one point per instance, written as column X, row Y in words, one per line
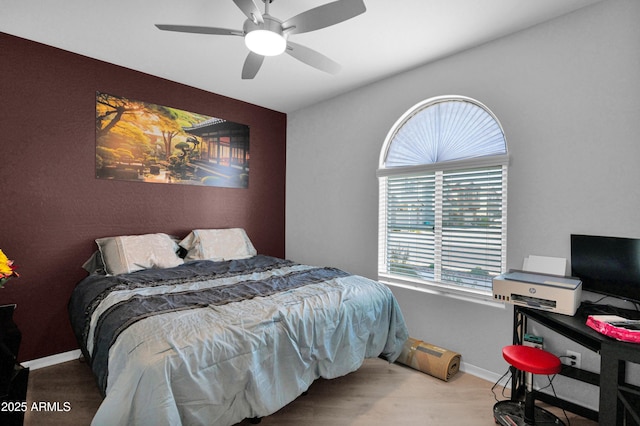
column 607, row 265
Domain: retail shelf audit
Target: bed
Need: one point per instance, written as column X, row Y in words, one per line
column 220, row 333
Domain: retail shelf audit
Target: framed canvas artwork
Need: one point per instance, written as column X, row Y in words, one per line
column 144, row 142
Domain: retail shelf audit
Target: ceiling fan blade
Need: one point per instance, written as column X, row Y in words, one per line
column 199, row 30
column 313, row 58
column 249, row 8
column 324, row 16
column 251, row 65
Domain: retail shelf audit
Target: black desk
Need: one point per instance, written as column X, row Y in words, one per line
column 619, row 401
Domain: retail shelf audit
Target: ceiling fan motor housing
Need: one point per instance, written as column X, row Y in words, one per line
column 265, row 38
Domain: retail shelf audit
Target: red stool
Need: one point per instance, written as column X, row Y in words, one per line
column 532, row 361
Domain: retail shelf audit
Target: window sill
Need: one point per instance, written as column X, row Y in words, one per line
column 478, row 297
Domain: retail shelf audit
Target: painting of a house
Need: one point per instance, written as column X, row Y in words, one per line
column 140, row 141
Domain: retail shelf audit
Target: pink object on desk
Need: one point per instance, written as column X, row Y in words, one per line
column 614, row 326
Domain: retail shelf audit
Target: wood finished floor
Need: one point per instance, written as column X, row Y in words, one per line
column 378, row 393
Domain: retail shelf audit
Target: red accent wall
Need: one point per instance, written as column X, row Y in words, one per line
column 52, row 206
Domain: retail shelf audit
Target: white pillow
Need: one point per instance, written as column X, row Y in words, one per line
column 132, row 253
column 218, row 244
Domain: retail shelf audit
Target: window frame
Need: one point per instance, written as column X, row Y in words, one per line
column 476, row 162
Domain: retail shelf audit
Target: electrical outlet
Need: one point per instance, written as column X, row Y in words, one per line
column 571, row 361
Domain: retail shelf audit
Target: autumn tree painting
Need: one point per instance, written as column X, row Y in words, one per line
column 140, row 141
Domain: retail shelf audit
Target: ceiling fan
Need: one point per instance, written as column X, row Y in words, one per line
column 266, row 35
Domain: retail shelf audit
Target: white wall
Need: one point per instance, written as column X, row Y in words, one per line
column 567, row 93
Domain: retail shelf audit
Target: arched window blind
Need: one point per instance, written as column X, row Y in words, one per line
column 442, row 213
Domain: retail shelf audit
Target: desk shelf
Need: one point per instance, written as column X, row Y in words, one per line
column 581, row 375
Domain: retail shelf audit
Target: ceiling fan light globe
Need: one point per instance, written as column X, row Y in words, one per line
column 265, row 42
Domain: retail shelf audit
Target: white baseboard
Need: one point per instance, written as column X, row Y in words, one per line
column 487, row 375
column 52, row 360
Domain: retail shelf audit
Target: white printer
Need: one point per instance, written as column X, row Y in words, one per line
column 552, row 293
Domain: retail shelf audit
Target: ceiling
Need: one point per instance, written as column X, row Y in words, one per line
column 390, row 37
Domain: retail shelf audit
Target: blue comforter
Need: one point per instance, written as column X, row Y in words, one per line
column 217, row 342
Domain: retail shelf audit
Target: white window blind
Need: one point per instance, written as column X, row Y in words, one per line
column 410, row 225
column 444, row 223
column 445, row 130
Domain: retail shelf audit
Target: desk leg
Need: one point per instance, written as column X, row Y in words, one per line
column 612, row 372
column 517, row 376
column 519, row 326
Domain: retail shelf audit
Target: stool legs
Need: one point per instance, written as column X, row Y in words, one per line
column 519, row 412
column 529, row 400
column 530, row 361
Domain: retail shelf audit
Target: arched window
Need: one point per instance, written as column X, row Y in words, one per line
column 443, row 198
